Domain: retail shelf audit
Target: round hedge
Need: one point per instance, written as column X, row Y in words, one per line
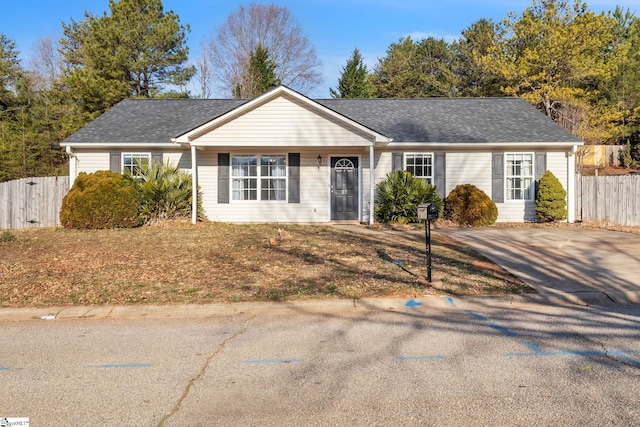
column 551, row 199
column 102, row 199
column 468, row 205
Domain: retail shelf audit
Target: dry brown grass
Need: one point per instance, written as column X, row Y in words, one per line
column 177, row 262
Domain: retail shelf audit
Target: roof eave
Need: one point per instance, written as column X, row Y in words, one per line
column 476, row 145
column 120, row 144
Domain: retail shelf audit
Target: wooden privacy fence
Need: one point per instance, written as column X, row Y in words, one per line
column 32, row 202
column 609, row 200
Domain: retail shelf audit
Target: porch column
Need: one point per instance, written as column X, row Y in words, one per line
column 73, row 166
column 371, row 183
column 571, row 184
column 194, row 186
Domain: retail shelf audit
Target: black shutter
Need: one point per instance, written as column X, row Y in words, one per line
column 497, row 178
column 294, row 177
column 223, row 177
column 396, row 161
column 540, row 164
column 114, row 162
column 440, row 173
column 156, row 157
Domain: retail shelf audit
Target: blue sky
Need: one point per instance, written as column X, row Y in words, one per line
column 334, row 27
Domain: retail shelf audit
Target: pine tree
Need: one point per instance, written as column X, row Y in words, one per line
column 354, row 81
column 416, row 70
column 138, row 50
column 261, row 76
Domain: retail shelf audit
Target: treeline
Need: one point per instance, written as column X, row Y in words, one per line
column 580, row 68
column 138, row 50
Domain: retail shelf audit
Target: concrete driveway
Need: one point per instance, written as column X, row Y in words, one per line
column 579, row 265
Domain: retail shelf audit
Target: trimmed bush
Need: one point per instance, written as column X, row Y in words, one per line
column 551, row 199
column 102, row 199
column 400, row 194
column 469, row 205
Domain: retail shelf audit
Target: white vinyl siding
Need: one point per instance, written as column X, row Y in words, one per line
column 469, row 167
column 557, row 164
column 283, row 123
column 90, row 161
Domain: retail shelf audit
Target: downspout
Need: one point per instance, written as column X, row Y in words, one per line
column 371, row 179
column 194, row 186
column 571, row 184
column 72, row 165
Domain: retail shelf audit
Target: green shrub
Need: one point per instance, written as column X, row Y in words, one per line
column 166, row 192
column 102, row 199
column 399, row 196
column 551, row 199
column 469, row 205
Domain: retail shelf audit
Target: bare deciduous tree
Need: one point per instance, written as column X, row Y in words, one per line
column 204, row 73
column 46, row 63
column 274, row 28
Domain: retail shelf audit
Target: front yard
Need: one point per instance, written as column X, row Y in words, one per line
column 176, row 262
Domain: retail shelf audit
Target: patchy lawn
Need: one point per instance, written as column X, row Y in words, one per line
column 177, row 262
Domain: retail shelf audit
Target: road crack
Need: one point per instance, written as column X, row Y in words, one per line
column 200, row 374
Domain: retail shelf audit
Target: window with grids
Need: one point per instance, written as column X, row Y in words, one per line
column 519, row 176
column 259, row 177
column 132, row 163
column 420, row 165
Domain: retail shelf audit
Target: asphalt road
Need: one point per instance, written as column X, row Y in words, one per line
column 447, row 361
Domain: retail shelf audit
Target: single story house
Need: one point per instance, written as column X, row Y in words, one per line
column 283, row 157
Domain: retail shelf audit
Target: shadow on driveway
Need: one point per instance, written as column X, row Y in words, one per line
column 582, row 265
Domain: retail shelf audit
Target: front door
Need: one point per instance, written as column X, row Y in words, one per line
column 344, row 188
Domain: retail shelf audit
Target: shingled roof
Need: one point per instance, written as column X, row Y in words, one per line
column 428, row 120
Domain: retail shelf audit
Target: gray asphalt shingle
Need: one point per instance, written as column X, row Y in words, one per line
column 430, row 120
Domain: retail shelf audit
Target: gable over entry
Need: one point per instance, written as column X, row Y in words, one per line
column 281, row 127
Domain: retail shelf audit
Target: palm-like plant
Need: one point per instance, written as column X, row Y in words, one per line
column 400, row 194
column 166, row 192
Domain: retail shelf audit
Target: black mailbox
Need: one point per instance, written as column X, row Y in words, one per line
column 432, row 211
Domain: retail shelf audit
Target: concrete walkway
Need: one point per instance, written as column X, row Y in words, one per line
column 579, row 265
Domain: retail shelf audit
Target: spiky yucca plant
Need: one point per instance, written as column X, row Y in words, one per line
column 400, row 194
column 166, row 192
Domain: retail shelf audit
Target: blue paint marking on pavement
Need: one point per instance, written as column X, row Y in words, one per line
column 413, row 304
column 122, row 365
column 266, row 361
column 621, row 355
column 493, row 324
column 537, row 351
column 407, row 358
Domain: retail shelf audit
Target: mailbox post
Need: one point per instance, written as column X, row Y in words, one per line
column 428, row 211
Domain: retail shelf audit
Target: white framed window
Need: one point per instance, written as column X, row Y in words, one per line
column 133, row 162
column 519, row 176
column 259, row 177
column 420, row 165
